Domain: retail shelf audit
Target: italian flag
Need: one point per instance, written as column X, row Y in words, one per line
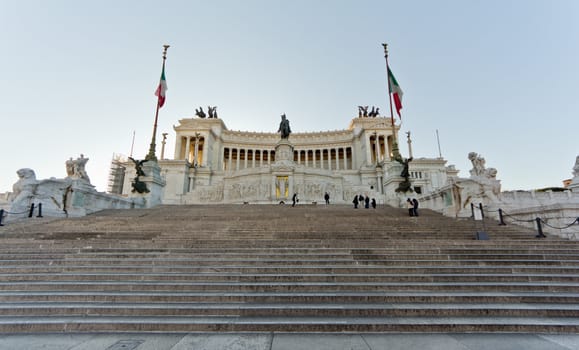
column 396, row 91
column 161, row 90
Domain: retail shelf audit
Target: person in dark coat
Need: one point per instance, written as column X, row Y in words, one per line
column 294, row 199
column 415, row 206
column 367, row 202
column 373, row 203
column 355, row 201
column 410, row 206
column 327, row 198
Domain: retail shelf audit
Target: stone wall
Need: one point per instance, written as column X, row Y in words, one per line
column 556, row 209
column 68, row 197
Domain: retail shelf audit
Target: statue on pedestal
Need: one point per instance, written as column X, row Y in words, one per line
column 138, row 185
column 478, row 167
column 284, row 127
column 199, row 112
column 75, row 169
column 405, row 185
column 212, row 111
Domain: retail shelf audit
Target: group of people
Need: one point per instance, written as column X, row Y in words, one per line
column 412, row 205
column 296, row 200
column 360, row 199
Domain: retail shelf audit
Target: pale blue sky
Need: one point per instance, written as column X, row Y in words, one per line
column 495, row 77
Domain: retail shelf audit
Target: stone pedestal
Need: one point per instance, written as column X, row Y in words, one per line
column 284, row 153
column 154, row 182
column 282, row 171
column 392, row 181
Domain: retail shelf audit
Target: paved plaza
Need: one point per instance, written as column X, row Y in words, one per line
column 285, row 341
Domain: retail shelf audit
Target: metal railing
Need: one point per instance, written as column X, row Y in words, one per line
column 4, row 213
column 539, row 222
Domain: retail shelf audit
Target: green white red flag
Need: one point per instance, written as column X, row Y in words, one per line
column 396, row 92
column 162, row 89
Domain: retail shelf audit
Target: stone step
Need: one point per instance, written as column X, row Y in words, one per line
column 215, row 277
column 269, row 286
column 399, row 248
column 68, row 309
column 257, row 254
column 348, row 261
column 290, row 269
column 92, row 324
column 305, row 263
column 240, row 242
column 343, row 297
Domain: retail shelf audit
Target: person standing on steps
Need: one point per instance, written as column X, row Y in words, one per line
column 294, row 199
column 415, row 206
column 373, row 203
column 367, row 202
column 410, row 206
column 327, row 198
column 355, row 201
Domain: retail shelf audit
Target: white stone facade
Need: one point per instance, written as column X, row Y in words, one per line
column 212, row 164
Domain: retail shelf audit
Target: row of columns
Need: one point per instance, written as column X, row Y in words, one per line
column 188, row 140
column 379, row 150
column 320, row 160
column 265, row 157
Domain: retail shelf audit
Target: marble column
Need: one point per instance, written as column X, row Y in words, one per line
column 377, row 148
column 196, row 151
column 187, row 148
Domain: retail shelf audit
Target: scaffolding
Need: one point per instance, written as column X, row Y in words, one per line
column 117, row 174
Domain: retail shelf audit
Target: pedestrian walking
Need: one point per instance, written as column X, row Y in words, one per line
column 415, row 206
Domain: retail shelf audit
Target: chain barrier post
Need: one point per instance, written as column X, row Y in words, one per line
column 481, row 210
column 31, row 212
column 1, row 216
column 501, row 220
column 39, row 210
column 539, row 229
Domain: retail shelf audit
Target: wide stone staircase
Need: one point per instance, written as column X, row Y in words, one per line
column 274, row 268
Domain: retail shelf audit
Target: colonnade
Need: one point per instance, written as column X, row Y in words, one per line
column 378, row 148
column 194, row 155
column 193, row 148
column 339, row 158
column 242, row 158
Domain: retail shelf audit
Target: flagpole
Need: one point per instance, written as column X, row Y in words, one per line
column 395, row 151
column 151, row 155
